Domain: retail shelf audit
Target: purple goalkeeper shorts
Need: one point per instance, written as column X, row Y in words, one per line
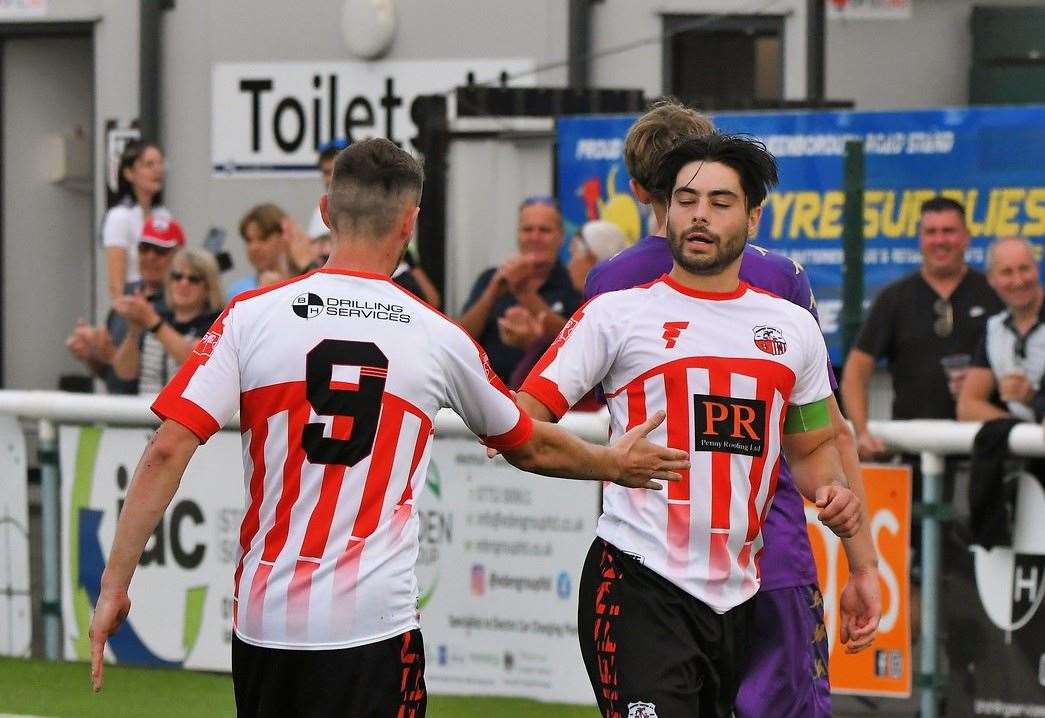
column 786, row 672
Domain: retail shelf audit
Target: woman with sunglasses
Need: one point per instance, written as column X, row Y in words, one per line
column 140, row 188
column 158, row 342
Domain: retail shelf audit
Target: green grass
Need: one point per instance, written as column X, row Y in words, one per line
column 62, row 689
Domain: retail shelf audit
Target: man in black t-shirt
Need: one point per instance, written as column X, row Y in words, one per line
column 926, row 325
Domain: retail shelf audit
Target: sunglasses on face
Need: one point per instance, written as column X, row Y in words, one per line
column 193, row 279
column 944, row 324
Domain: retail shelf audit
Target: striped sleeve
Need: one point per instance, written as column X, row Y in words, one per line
column 479, row 397
column 576, row 361
column 812, row 382
column 205, row 392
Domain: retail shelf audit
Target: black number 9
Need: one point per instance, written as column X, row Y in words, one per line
column 362, row 404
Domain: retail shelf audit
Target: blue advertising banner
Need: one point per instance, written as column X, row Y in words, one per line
column 990, row 160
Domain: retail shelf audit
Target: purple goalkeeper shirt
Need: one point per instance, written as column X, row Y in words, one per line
column 787, row 559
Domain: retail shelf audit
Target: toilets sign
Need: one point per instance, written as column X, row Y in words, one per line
column 271, row 118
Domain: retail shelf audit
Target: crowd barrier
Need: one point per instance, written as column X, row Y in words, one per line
column 932, row 440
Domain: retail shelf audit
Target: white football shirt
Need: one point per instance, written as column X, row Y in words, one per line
column 338, row 376
column 723, row 367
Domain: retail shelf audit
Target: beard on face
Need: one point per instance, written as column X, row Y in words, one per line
column 727, row 250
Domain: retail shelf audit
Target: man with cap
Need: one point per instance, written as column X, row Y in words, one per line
column 96, row 345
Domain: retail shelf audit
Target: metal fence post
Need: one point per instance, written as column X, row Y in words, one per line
column 932, row 480
column 50, row 518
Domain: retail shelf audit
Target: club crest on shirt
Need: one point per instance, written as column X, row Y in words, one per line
column 205, row 346
column 642, row 709
column 770, row 340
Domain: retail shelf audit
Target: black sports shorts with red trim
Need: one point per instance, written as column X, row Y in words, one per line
column 651, row 648
column 378, row 680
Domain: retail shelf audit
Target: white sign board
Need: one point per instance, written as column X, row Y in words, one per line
column 182, row 590
column 500, row 562
column 869, row 9
column 271, row 118
column 15, row 599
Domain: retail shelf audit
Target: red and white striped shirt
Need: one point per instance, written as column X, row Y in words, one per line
column 338, row 376
column 724, row 368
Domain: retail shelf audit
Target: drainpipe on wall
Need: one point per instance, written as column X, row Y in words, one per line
column 816, row 18
column 150, row 15
column 579, row 43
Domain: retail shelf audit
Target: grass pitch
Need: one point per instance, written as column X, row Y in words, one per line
column 39, row 688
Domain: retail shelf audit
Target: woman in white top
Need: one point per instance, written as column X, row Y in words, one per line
column 158, row 342
column 140, row 186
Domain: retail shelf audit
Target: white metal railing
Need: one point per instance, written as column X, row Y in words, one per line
column 931, row 439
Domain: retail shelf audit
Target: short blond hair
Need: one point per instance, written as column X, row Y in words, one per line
column 665, row 123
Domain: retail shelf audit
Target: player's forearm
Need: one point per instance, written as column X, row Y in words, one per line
column 820, row 466
column 859, row 550
column 555, row 452
column 534, row 408
column 156, row 479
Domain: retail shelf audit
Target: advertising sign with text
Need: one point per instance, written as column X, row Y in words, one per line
column 501, row 556
column 269, row 119
column 885, row 668
column 982, row 157
column 182, row 589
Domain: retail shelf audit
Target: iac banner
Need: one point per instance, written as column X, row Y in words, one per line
column 182, row 589
column 987, row 159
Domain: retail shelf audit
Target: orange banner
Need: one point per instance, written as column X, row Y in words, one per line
column 885, row 668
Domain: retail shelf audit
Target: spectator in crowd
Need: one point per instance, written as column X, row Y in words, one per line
column 157, row 343
column 96, row 346
column 596, row 242
column 1010, row 357
column 534, row 279
column 140, row 188
column 327, row 154
column 926, row 325
column 262, row 230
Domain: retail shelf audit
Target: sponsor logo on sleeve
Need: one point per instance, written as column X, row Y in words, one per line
column 205, row 346
column 724, row 423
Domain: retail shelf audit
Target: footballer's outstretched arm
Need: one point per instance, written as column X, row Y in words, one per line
column 631, row 461
column 809, row 447
column 154, row 484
